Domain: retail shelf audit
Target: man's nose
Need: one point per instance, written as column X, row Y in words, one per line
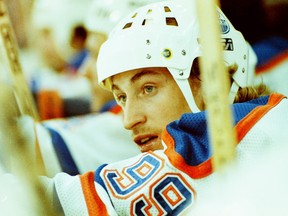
column 133, row 115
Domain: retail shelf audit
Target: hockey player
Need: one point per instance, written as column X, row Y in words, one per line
column 154, row 75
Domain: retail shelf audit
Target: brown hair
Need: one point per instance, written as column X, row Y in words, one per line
column 243, row 94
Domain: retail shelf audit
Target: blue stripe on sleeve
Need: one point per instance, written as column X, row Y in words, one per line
column 64, row 156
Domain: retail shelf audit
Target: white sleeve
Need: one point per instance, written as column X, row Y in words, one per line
column 47, row 150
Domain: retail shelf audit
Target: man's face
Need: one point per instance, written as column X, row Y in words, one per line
column 150, row 99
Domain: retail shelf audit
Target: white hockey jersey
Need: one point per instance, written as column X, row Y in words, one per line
column 171, row 181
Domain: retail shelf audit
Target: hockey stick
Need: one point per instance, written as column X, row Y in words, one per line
column 215, row 86
column 14, row 72
column 24, row 97
column 18, row 158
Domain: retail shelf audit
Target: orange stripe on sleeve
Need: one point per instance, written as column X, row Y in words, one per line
column 94, row 204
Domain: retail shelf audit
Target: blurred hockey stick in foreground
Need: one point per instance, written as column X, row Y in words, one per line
column 13, row 71
column 24, row 97
column 216, row 86
column 23, row 193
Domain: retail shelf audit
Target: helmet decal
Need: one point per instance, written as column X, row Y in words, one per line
column 227, row 44
column 225, row 28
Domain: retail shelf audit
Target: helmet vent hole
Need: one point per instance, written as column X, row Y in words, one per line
column 134, row 15
column 171, row 21
column 128, row 25
column 167, row 9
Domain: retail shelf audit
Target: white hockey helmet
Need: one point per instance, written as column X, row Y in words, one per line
column 103, row 15
column 166, row 34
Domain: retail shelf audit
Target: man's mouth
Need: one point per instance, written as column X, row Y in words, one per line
column 143, row 141
column 146, row 143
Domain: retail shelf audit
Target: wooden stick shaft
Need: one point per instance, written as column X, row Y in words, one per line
column 23, row 94
column 216, row 86
column 17, row 100
column 18, row 156
column 14, row 71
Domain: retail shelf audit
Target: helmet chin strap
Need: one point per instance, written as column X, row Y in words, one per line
column 233, row 91
column 181, row 78
column 186, row 90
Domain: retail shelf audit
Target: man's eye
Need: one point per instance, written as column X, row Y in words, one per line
column 121, row 99
column 148, row 89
